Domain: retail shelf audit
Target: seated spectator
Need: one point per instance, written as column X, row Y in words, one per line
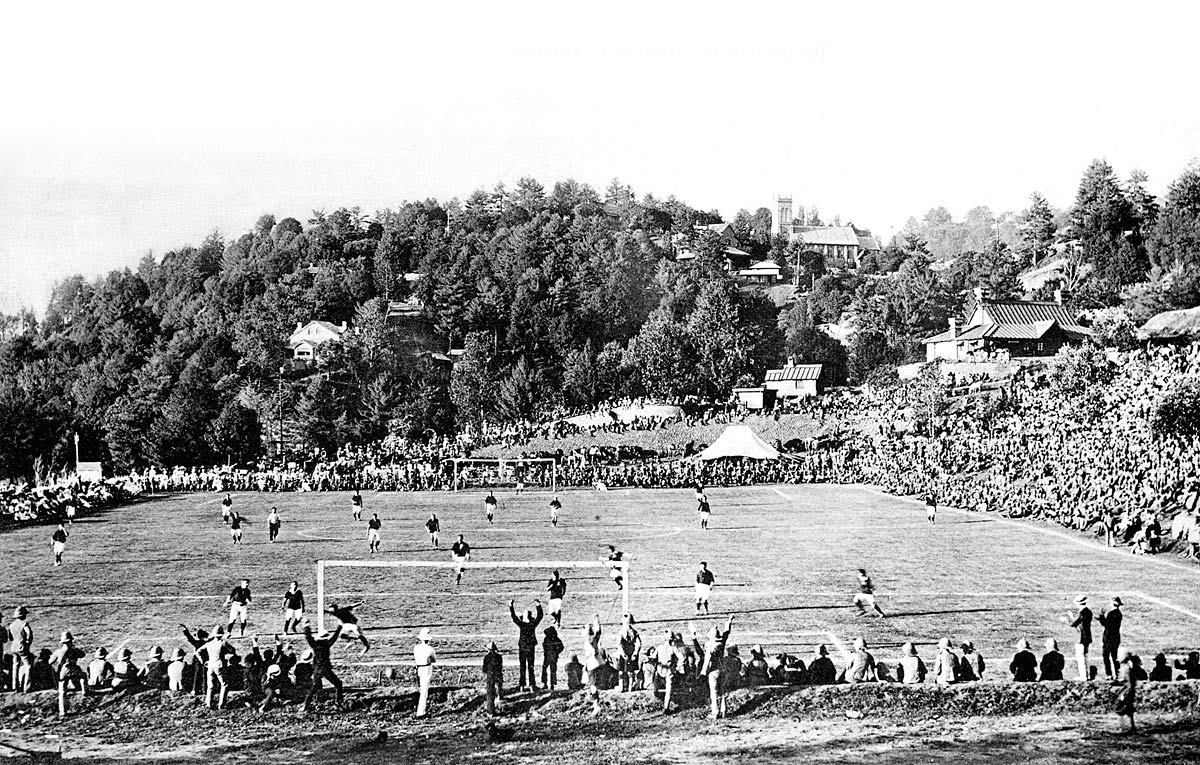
column 1052, row 663
column 124, row 671
column 650, row 673
column 862, row 664
column 41, row 674
column 1024, row 665
column 794, row 672
column 302, row 672
column 1190, row 667
column 575, row 673
column 912, row 669
column 945, row 666
column 756, row 669
column 1161, row 673
column 821, row 670
column 154, row 674
column 971, row 665
column 731, row 669
column 99, row 671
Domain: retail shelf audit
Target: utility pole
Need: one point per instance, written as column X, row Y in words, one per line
column 76, row 454
column 280, row 455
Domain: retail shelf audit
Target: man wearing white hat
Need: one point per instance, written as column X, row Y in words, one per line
column 1083, row 624
column 424, row 657
column 945, row 666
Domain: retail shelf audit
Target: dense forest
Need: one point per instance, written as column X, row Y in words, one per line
column 559, row 299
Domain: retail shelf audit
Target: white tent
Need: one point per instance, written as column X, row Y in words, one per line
column 739, row 441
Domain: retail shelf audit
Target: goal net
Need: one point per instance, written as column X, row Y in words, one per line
column 400, row 597
column 527, row 472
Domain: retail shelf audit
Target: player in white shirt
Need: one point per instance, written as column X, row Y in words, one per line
column 424, row 657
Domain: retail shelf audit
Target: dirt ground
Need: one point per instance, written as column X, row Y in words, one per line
column 824, row 725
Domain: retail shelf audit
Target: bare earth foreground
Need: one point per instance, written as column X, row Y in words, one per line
column 784, row 559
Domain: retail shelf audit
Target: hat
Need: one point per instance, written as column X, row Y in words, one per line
column 177, row 654
column 909, row 649
column 202, row 634
column 859, row 643
column 492, row 646
column 1023, row 644
column 67, row 637
column 944, row 643
column 101, row 652
column 822, row 650
column 1051, row 644
column 22, row 612
column 156, row 651
column 1117, row 600
column 1081, row 599
column 424, row 634
column 126, row 654
column 306, row 655
column 1123, row 654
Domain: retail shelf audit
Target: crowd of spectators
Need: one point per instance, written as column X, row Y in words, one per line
column 58, row 500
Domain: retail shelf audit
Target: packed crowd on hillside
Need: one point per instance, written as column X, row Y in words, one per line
column 58, row 500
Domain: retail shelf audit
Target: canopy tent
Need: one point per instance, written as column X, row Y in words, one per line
column 739, row 441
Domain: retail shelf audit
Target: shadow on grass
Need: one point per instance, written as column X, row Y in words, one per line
column 897, row 614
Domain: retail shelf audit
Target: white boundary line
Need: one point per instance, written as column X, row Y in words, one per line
column 1165, row 604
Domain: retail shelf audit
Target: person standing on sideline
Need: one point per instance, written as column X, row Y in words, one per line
column 703, row 508
column 58, row 543
column 931, row 508
column 493, row 675
column 322, row 665
column 555, row 506
column 273, row 524
column 552, row 648
column 592, row 661
column 1127, row 696
column 526, row 642
column 373, row 538
column 356, row 505
column 293, row 608
column 235, row 527
column 20, row 649
column 460, row 552
column 239, row 606
column 556, row 590
column 424, row 658
column 704, row 585
column 226, row 508
column 66, row 661
column 714, row 654
column 434, row 527
column 1110, row 638
column 866, row 595
column 1083, row 624
column 489, row 506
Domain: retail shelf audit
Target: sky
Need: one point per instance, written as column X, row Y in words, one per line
column 128, row 128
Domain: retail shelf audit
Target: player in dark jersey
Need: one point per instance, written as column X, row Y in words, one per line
column 704, row 585
column 489, row 506
column 239, row 606
column 293, row 608
column 434, row 527
column 356, row 503
column 555, row 506
column 235, row 527
column 866, row 595
column 58, row 541
column 615, row 572
column 556, row 590
column 226, row 508
column 460, row 551
column 373, row 538
column 704, row 509
column 350, row 627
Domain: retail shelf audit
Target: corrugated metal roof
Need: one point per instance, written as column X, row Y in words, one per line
column 797, row 372
column 1026, row 312
column 834, row 235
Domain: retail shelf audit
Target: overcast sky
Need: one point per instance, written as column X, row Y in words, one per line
column 128, row 128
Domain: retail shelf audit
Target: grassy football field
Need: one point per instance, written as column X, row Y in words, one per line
column 784, row 558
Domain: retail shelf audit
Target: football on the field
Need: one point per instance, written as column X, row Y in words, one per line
column 597, row 517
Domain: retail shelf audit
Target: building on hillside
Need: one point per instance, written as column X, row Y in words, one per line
column 840, row 246
column 796, row 380
column 764, row 272
column 1181, row 327
column 308, row 338
column 1007, row 328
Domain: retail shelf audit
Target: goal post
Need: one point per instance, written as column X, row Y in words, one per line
column 323, row 567
column 500, row 471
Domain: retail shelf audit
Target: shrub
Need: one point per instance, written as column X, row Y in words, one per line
column 1075, row 369
column 1178, row 411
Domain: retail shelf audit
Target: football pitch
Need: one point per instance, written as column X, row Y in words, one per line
column 784, row 557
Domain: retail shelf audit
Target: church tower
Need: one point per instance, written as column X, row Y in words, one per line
column 783, row 215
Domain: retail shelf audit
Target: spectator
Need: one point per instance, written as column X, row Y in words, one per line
column 100, row 671
column 424, row 657
column 493, row 676
column 574, row 671
column 912, row 669
column 1023, row 666
column 971, row 665
column 154, row 674
column 756, row 668
column 1162, row 671
column 821, row 671
column 945, row 667
column 1110, row 637
column 1053, row 663
column 1127, row 696
column 862, row 664
column 66, row 659
column 322, row 667
column 175, row 671
column 1083, row 624
column 552, row 648
column 1190, row 666
column 526, row 643
column 41, row 674
column 125, row 673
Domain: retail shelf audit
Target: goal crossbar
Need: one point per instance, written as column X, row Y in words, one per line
column 503, row 463
column 322, row 565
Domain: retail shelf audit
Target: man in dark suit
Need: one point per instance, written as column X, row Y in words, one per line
column 526, row 641
column 1110, row 638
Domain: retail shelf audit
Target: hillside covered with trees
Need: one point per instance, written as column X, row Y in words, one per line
column 558, row 299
